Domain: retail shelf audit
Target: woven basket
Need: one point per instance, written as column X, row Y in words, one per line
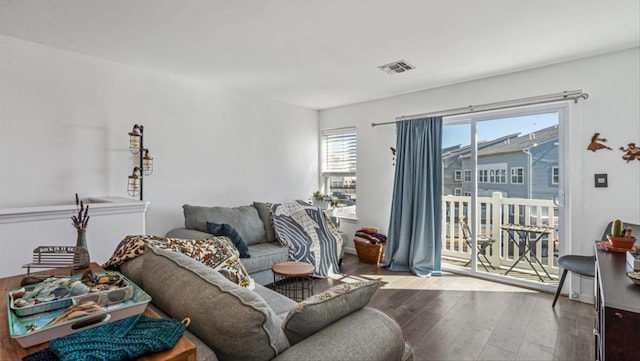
column 367, row 252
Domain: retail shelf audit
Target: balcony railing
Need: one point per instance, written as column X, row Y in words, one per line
column 493, row 212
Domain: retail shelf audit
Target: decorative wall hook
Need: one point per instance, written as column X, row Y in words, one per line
column 595, row 145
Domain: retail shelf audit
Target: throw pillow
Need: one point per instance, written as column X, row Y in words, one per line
column 264, row 211
column 318, row 311
column 216, row 252
column 235, row 322
column 228, row 231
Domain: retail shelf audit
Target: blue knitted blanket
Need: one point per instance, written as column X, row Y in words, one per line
column 120, row 340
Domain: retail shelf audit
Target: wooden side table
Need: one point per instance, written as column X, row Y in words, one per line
column 10, row 349
column 293, row 279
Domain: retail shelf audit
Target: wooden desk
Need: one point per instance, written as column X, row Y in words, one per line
column 617, row 306
column 10, row 349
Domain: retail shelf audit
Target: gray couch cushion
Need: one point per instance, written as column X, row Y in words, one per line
column 318, row 311
column 264, row 256
column 369, row 334
column 235, row 322
column 279, row 304
column 244, row 219
column 185, row 233
column 264, row 210
column 132, row 269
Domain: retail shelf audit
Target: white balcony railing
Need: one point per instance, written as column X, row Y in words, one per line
column 493, row 212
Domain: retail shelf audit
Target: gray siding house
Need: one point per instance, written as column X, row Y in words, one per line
column 518, row 166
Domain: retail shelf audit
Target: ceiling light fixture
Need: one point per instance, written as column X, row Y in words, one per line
column 399, row 66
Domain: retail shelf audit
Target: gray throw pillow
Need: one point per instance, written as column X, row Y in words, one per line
column 264, row 211
column 318, row 311
column 234, row 321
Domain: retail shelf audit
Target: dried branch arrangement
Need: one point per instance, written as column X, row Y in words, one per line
column 80, row 221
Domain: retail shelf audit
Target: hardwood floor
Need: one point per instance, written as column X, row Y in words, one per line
column 455, row 317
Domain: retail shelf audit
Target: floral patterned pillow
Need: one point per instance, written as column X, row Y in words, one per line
column 216, row 252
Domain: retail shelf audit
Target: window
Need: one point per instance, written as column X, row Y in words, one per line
column 467, row 175
column 517, row 175
column 483, row 176
column 467, row 194
column 457, row 175
column 555, row 175
column 339, row 168
column 501, row 176
column 457, row 191
column 491, row 173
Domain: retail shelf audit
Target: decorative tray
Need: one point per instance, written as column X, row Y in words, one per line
column 33, row 329
column 55, row 293
column 635, row 277
column 606, row 245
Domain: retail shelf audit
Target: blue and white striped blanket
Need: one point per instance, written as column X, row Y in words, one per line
column 309, row 236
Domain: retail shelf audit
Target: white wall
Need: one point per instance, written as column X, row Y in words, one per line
column 64, row 120
column 613, row 109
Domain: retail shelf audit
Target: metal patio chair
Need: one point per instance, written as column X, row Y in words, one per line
column 483, row 243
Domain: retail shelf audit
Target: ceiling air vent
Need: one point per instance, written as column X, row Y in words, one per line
column 399, row 66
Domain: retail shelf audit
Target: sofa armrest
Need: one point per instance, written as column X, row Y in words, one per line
column 186, row 233
column 366, row 334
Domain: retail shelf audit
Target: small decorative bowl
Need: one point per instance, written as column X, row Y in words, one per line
column 635, row 276
column 621, row 242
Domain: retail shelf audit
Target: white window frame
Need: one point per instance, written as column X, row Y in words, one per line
column 492, row 173
column 516, row 176
column 467, row 175
column 555, row 175
column 457, row 191
column 501, row 175
column 457, row 175
column 338, row 158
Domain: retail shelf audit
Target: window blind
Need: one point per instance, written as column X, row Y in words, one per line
column 339, row 152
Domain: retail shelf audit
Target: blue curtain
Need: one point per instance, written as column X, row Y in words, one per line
column 413, row 242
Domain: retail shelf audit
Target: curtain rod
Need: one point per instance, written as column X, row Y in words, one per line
column 541, row 99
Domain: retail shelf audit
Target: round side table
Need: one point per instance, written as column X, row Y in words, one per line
column 293, row 279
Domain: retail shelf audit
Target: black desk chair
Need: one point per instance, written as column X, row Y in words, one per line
column 483, row 243
column 582, row 265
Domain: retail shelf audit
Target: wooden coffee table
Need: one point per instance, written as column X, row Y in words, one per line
column 293, row 279
column 10, row 349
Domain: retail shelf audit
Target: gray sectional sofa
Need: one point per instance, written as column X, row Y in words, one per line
column 253, row 223
column 229, row 322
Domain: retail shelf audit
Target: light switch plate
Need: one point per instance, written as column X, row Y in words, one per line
column 601, row 180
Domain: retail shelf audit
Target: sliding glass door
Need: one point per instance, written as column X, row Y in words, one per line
column 501, row 179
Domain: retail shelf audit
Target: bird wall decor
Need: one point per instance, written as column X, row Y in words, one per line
column 631, row 152
column 595, row 143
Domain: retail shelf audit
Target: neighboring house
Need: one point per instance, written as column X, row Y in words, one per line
column 519, row 167
column 455, row 174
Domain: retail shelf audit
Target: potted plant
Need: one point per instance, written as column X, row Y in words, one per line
column 620, row 237
column 320, row 200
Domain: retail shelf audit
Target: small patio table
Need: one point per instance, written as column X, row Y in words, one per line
column 527, row 242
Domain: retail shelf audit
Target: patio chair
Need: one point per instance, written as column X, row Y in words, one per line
column 483, row 243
